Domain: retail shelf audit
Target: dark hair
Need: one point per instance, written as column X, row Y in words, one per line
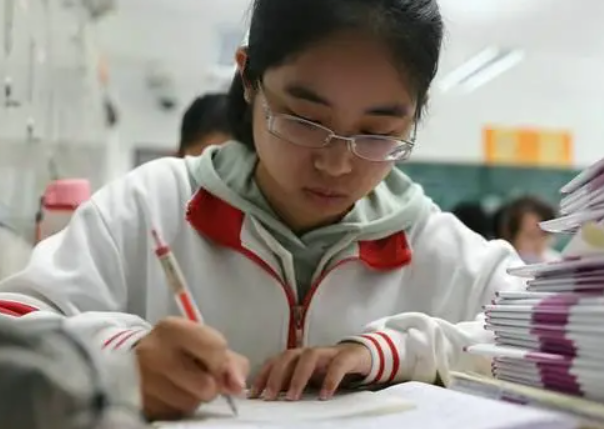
column 280, row 29
column 474, row 217
column 205, row 115
column 509, row 217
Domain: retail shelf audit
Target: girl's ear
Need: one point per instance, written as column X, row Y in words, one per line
column 241, row 57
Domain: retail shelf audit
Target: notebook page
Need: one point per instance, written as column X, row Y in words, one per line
column 309, row 408
column 434, row 408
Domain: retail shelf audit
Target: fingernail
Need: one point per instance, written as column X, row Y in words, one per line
column 240, row 380
column 268, row 395
column 291, row 396
column 324, row 395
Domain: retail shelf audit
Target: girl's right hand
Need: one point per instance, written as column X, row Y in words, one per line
column 183, row 364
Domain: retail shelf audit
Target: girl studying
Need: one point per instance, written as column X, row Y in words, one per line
column 312, row 259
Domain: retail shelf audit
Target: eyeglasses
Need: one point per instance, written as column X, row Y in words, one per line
column 305, row 133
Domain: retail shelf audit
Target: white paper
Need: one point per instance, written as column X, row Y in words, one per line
column 309, row 408
column 433, row 408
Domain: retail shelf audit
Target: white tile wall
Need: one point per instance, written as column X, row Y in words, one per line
column 24, row 173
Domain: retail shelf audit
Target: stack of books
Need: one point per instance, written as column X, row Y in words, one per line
column 551, row 336
column 589, row 413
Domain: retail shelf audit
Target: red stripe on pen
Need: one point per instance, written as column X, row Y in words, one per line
column 188, row 306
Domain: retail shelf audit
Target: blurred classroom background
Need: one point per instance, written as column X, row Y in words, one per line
column 93, row 88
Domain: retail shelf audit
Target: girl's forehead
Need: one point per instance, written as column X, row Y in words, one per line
column 342, row 67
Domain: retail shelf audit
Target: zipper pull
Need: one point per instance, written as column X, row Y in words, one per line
column 298, row 324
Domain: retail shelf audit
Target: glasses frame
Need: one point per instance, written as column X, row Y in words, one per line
column 405, row 146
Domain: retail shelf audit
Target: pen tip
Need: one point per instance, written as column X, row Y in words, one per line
column 232, row 406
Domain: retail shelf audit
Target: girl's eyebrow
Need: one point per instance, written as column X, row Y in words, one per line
column 301, row 92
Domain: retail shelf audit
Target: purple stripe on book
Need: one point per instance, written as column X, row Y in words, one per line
column 595, row 280
column 566, row 301
column 550, row 331
column 546, row 379
column 557, row 373
column 566, row 350
column 583, row 289
column 564, row 343
column 594, row 268
column 593, row 277
column 542, row 346
column 547, row 357
column 556, row 380
column 554, row 371
column 551, row 318
column 562, row 389
column 595, row 183
column 558, row 336
column 570, row 287
column 567, row 365
column 560, row 377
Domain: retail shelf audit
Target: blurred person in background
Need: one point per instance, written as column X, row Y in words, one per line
column 204, row 124
column 518, row 222
column 472, row 215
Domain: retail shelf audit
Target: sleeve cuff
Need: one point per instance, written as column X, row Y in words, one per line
column 388, row 363
column 116, row 339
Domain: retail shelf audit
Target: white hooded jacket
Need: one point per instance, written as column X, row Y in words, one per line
column 411, row 290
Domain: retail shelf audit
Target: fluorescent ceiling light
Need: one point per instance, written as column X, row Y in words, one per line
column 482, row 68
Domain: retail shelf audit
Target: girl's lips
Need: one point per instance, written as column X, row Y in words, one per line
column 324, row 196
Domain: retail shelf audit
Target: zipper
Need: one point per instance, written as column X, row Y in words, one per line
column 299, row 313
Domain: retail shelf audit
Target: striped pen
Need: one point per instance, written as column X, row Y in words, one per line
column 178, row 286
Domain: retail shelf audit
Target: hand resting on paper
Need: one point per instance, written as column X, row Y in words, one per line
column 183, row 364
column 324, row 367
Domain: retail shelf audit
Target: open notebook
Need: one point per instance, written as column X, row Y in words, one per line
column 409, row 406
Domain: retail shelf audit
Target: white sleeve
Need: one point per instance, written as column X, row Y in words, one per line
column 14, row 252
column 462, row 271
column 77, row 273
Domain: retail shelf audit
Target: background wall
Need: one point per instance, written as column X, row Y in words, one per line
column 552, row 88
column 450, row 132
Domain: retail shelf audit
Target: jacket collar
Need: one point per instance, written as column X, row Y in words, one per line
column 222, row 223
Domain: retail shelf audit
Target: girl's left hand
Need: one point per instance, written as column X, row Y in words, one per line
column 294, row 369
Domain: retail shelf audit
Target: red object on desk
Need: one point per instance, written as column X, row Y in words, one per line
column 61, row 198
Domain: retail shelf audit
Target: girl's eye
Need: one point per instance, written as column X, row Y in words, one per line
column 306, row 118
column 372, row 133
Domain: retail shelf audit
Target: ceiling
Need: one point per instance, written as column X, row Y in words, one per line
column 563, row 39
column 184, row 35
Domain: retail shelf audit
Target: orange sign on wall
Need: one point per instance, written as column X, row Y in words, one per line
column 527, row 147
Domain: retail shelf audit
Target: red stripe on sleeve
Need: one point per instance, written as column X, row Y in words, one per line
column 124, row 338
column 8, row 312
column 17, row 309
column 396, row 361
column 115, row 337
column 380, row 353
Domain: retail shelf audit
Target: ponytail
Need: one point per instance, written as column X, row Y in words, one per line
column 239, row 113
